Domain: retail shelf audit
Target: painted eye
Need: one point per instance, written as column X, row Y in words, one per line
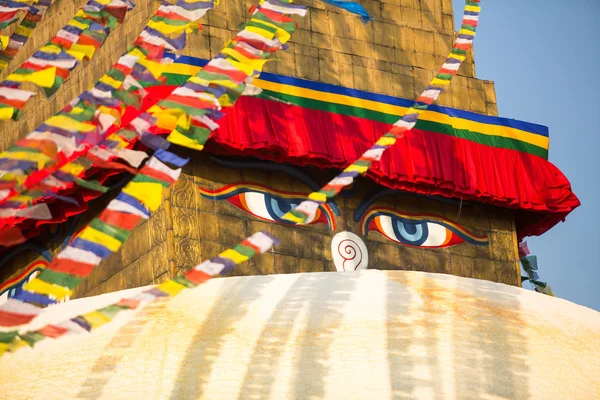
column 417, row 231
column 268, row 206
column 266, row 203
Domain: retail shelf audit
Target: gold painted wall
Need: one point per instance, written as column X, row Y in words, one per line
column 396, row 54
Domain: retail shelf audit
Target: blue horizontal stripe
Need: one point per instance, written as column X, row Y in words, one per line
column 95, row 248
column 31, row 297
column 132, row 201
column 382, row 98
column 187, row 60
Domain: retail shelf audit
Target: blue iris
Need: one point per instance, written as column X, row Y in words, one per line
column 278, row 207
column 414, row 233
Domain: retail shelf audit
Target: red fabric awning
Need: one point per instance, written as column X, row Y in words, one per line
column 423, row 162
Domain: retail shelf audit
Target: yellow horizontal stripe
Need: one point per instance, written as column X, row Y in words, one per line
column 64, row 122
column 234, row 256
column 40, row 158
column 38, row 286
column 171, row 287
column 95, row 319
column 182, row 140
column 263, row 32
column 92, row 235
column 181, row 69
column 73, row 168
column 149, row 193
column 330, row 97
column 78, row 24
column 432, row 116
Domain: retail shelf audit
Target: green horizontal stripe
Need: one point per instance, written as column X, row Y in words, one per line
column 113, row 231
column 145, row 178
column 111, row 311
column 59, row 278
column 32, row 338
column 7, row 337
column 179, row 106
column 245, row 250
column 174, row 79
column 488, row 140
column 28, row 23
column 91, row 184
column 182, row 280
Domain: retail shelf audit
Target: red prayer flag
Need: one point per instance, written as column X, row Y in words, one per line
column 13, row 319
column 53, row 331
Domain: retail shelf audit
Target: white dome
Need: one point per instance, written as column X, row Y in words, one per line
column 363, row 335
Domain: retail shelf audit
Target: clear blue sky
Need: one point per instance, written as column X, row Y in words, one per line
column 543, row 56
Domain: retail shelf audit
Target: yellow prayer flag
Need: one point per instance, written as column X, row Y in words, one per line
column 3, row 347
column 262, row 32
column 43, row 78
column 281, row 34
column 78, row 24
column 234, row 255
column 155, row 68
column 317, row 196
column 116, row 138
column 40, row 158
column 439, row 82
column 171, row 287
column 64, row 122
column 149, row 193
column 3, row 42
column 23, row 199
column 92, row 235
column 386, row 141
column 87, row 49
column 356, row 168
column 291, row 217
column 110, row 81
column 170, row 29
column 73, row 168
column 182, row 140
column 51, row 48
column 38, row 286
column 166, row 118
column 6, row 113
column 23, row 30
column 95, row 319
column 255, row 64
column 225, row 101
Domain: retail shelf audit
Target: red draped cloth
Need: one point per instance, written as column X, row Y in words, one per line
column 422, row 162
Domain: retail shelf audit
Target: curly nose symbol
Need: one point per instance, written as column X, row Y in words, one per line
column 349, row 252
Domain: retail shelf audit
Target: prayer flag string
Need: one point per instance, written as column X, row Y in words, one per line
column 530, row 266
column 191, row 113
column 220, row 265
column 23, row 32
column 222, row 81
column 9, row 10
column 51, row 65
column 305, row 211
column 59, row 153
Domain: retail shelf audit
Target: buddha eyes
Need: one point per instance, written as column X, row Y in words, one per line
column 417, row 230
column 423, row 231
column 267, row 204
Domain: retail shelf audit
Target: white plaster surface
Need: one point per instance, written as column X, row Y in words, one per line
column 365, row 335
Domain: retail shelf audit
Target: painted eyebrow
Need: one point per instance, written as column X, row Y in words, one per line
column 369, row 200
column 292, row 172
